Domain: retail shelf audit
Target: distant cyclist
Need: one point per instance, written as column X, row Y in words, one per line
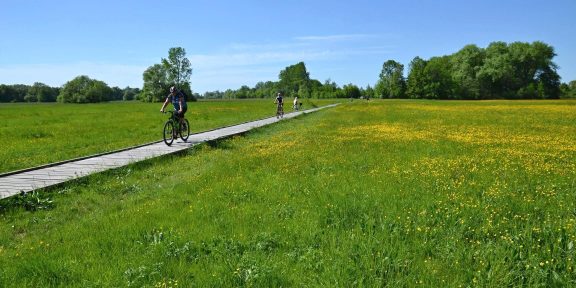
column 295, row 104
column 178, row 99
column 279, row 106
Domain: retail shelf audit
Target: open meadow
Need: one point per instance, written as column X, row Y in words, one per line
column 393, row 193
column 37, row 134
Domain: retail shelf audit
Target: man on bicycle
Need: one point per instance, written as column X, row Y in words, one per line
column 178, row 99
column 280, row 106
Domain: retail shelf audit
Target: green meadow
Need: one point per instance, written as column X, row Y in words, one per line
column 37, row 134
column 366, row 194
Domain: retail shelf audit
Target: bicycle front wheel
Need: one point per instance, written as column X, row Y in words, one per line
column 169, row 133
column 185, row 130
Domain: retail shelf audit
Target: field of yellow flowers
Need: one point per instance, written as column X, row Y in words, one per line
column 367, row 194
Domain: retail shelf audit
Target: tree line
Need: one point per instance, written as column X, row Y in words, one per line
column 81, row 89
column 293, row 81
column 501, row 71
column 517, row 70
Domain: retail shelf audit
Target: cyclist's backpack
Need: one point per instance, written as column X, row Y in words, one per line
column 184, row 95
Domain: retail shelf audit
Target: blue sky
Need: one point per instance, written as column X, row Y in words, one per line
column 235, row 43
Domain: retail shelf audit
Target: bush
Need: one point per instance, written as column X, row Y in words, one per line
column 82, row 89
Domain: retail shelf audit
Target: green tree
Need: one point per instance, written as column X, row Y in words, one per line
column 525, row 66
column 40, row 92
column 293, row 81
column 243, row 93
column 391, row 83
column 314, row 86
column 292, row 78
column 117, row 93
column 99, row 91
column 497, row 73
column 129, row 94
column 519, row 70
column 214, row 95
column 13, row 93
column 438, row 75
column 82, row 89
column 417, row 79
column 368, row 92
column 546, row 70
column 351, row 91
column 6, row 92
column 304, row 90
column 265, row 89
column 229, row 94
column 174, row 71
column 572, row 89
column 32, row 95
column 178, row 67
column 329, row 89
column 155, row 84
column 465, row 65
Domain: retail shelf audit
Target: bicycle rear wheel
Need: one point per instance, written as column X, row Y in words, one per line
column 185, row 130
column 169, row 133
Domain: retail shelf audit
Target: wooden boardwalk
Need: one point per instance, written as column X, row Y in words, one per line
column 32, row 179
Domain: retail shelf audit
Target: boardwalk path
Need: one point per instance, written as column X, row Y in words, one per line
column 37, row 178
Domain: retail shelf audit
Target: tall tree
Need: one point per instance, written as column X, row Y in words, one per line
column 497, row 73
column 98, row 91
column 351, row 91
column 391, row 83
column 178, row 67
column 175, row 70
column 329, row 89
column 293, row 78
column 465, row 64
column 417, row 80
column 368, row 92
column 519, row 70
column 546, row 70
column 155, row 84
column 439, row 83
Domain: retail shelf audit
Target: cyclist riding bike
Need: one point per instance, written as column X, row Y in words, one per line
column 280, row 106
column 295, row 104
column 178, row 99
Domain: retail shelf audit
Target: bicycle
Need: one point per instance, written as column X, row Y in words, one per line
column 174, row 127
column 280, row 111
column 297, row 106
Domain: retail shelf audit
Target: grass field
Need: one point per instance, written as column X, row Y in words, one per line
column 367, row 194
column 36, row 134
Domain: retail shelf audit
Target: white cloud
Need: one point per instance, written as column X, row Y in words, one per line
column 305, row 48
column 257, row 58
column 231, row 67
column 338, row 37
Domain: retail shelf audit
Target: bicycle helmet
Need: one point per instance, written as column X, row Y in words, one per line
column 172, row 89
